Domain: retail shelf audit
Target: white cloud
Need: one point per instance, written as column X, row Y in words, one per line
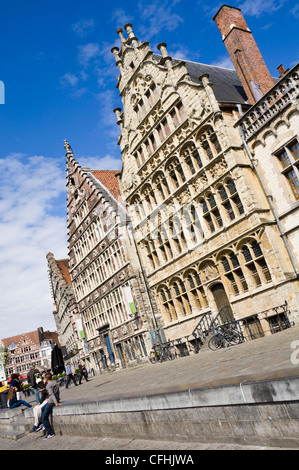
column 87, row 53
column 158, row 16
column 295, row 10
column 224, row 62
column 100, row 163
column 32, row 191
column 259, row 7
column 83, row 27
column 69, row 79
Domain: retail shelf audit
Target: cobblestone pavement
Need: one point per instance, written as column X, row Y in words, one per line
column 265, row 358
column 34, row 442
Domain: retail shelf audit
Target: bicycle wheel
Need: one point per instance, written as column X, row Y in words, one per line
column 171, row 354
column 233, row 337
column 152, row 358
column 215, row 343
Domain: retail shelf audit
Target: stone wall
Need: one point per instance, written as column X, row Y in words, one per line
column 253, row 413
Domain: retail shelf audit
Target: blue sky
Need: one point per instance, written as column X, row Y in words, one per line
column 60, row 83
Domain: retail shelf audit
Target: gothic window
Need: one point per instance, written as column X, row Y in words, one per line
column 152, row 253
column 176, row 173
column 151, row 94
column 165, row 127
column 192, row 158
column 256, row 263
column 167, row 304
column 215, row 143
column 164, row 244
column 196, row 290
column 138, row 209
column 149, row 198
column 289, row 162
column 177, row 114
column 139, row 156
column 211, row 213
column 180, row 296
column 177, row 234
column 230, row 199
column 192, row 224
column 234, row 274
column 161, row 184
column 210, row 143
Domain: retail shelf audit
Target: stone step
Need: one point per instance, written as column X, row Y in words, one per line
column 14, row 426
column 14, row 435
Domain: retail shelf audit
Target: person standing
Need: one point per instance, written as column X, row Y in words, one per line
column 69, row 375
column 82, row 372
column 32, row 377
column 52, row 389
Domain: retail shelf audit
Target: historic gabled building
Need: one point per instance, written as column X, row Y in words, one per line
column 66, row 313
column 26, row 349
column 203, row 225
column 108, row 283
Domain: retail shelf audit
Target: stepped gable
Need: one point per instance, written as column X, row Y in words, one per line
column 63, row 266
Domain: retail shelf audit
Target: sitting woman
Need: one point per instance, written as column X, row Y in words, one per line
column 14, row 394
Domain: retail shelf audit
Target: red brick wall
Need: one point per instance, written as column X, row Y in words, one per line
column 243, row 50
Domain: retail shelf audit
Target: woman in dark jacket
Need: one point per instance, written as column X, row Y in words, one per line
column 14, row 393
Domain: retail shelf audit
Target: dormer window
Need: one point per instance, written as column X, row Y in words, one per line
column 132, row 65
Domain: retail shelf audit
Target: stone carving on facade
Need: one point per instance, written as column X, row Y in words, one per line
column 209, row 270
column 114, row 334
column 124, row 330
column 218, row 168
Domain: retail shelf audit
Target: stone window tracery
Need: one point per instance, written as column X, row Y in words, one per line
column 288, row 158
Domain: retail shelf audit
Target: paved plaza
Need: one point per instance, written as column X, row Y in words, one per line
column 262, row 359
column 266, row 358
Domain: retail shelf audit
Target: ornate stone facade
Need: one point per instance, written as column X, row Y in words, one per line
column 105, row 270
column 66, row 313
column 204, row 228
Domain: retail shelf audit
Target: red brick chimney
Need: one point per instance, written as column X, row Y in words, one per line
column 244, row 53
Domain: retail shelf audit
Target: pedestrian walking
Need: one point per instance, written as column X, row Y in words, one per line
column 52, row 389
column 69, row 375
column 32, row 377
column 82, row 372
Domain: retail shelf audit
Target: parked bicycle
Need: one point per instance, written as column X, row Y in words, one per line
column 161, row 352
column 224, row 336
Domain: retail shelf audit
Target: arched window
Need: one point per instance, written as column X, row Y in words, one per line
column 196, row 290
column 164, row 244
column 177, row 234
column 167, row 303
column 180, row 295
column 176, row 173
column 151, row 251
column 209, row 143
column 161, row 184
column 149, row 197
column 230, row 199
column 256, row 263
column 234, row 274
column 211, row 213
column 192, row 224
column 192, row 158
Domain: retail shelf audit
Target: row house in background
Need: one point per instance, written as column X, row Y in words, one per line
column 204, row 227
column 108, row 283
column 66, row 313
column 27, row 349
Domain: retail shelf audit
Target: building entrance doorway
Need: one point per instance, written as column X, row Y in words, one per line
column 222, row 303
